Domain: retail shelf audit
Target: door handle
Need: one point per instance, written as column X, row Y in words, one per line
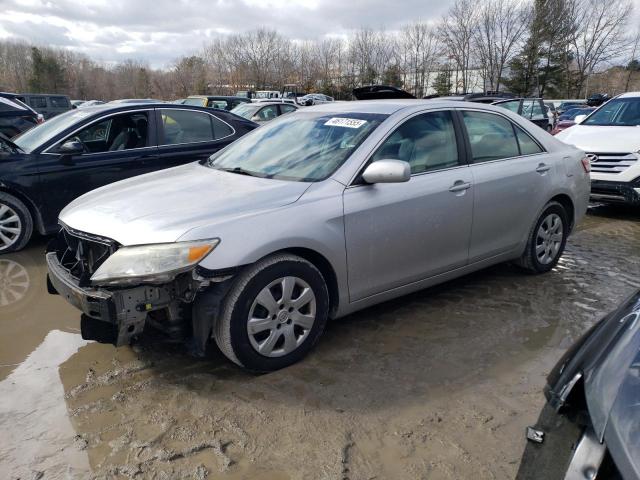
column 542, row 168
column 460, row 186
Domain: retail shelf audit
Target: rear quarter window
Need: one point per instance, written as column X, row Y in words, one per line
column 59, row 102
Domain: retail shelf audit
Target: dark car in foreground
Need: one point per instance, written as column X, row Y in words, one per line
column 16, row 117
column 45, row 168
column 590, row 427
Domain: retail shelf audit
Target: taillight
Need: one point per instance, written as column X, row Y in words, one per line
column 586, row 164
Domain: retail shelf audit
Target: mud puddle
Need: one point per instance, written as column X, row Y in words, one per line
column 439, row 384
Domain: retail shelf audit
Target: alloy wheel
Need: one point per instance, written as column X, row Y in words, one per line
column 281, row 316
column 549, row 239
column 10, row 226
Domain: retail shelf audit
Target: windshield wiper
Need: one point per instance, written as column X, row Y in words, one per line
column 238, row 170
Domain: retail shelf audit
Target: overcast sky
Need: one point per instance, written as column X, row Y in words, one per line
column 159, row 31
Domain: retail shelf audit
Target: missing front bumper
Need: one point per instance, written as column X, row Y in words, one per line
column 122, row 313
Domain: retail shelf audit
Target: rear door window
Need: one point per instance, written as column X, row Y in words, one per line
column 528, row 146
column 59, row 102
column 491, row 136
column 183, row 126
column 512, row 105
column 38, row 102
column 284, row 108
column 268, row 113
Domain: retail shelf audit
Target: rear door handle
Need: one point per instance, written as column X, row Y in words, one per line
column 542, row 168
column 460, row 186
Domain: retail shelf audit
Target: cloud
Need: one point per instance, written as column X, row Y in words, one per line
column 158, row 31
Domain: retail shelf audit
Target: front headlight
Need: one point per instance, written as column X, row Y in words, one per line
column 152, row 263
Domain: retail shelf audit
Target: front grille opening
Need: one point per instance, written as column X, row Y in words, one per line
column 81, row 254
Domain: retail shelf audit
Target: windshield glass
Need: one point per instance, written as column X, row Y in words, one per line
column 246, row 110
column 305, row 147
column 620, row 112
column 33, row 138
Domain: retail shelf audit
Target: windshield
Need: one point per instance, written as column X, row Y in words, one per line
column 620, row 112
column 246, row 110
column 33, row 138
column 305, row 147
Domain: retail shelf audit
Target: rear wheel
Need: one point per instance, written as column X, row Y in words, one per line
column 16, row 224
column 274, row 313
column 546, row 240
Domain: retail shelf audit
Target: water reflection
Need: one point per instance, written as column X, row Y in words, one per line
column 37, row 435
column 14, row 282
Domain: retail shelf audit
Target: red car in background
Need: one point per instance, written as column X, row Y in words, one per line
column 567, row 119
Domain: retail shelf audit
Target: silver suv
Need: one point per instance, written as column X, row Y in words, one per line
column 315, row 215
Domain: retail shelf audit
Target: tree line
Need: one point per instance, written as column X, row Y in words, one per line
column 530, row 47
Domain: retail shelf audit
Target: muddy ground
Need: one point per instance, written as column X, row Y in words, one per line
column 440, row 384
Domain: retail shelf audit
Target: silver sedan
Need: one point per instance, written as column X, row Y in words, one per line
column 317, row 214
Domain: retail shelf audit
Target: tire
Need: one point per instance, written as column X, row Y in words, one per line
column 279, row 336
column 535, row 261
column 16, row 224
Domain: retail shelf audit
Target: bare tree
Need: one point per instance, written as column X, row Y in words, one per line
column 458, row 30
column 600, row 36
column 502, row 25
column 420, row 50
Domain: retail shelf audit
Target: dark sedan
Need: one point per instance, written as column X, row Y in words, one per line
column 16, row 117
column 48, row 166
column 567, row 119
column 590, row 427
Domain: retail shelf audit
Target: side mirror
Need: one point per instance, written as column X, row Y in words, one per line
column 579, row 118
column 72, row 147
column 387, row 171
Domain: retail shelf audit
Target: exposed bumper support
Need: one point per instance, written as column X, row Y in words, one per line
column 615, row 192
column 125, row 310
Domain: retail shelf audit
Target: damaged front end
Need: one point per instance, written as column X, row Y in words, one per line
column 117, row 310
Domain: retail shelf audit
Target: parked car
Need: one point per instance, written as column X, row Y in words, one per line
column 569, row 104
column 266, row 94
column 314, row 99
column 261, row 112
column 589, row 427
column 215, row 101
column 597, row 99
column 91, row 103
column 68, row 155
column 136, row 100
column 45, row 104
column 567, row 119
column 16, row 117
column 317, row 214
column 610, row 137
column 532, row 109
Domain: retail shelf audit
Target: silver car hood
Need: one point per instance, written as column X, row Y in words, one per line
column 162, row 206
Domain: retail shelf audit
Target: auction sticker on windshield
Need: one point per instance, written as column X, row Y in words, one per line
column 345, row 122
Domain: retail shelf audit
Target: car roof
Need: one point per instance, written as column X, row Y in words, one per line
column 389, row 107
column 116, row 107
column 629, row 95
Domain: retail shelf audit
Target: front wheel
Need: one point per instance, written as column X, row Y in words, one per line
column 274, row 313
column 546, row 240
column 16, row 224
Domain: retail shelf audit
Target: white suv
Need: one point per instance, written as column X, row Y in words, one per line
column 611, row 138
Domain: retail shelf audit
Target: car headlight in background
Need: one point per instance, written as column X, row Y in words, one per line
column 152, row 263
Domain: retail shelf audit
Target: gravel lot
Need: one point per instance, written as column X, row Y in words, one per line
column 438, row 385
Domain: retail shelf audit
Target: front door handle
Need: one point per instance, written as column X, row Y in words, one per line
column 460, row 186
column 543, row 168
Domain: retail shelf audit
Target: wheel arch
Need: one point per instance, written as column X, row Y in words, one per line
column 33, row 210
column 566, row 202
column 325, row 267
